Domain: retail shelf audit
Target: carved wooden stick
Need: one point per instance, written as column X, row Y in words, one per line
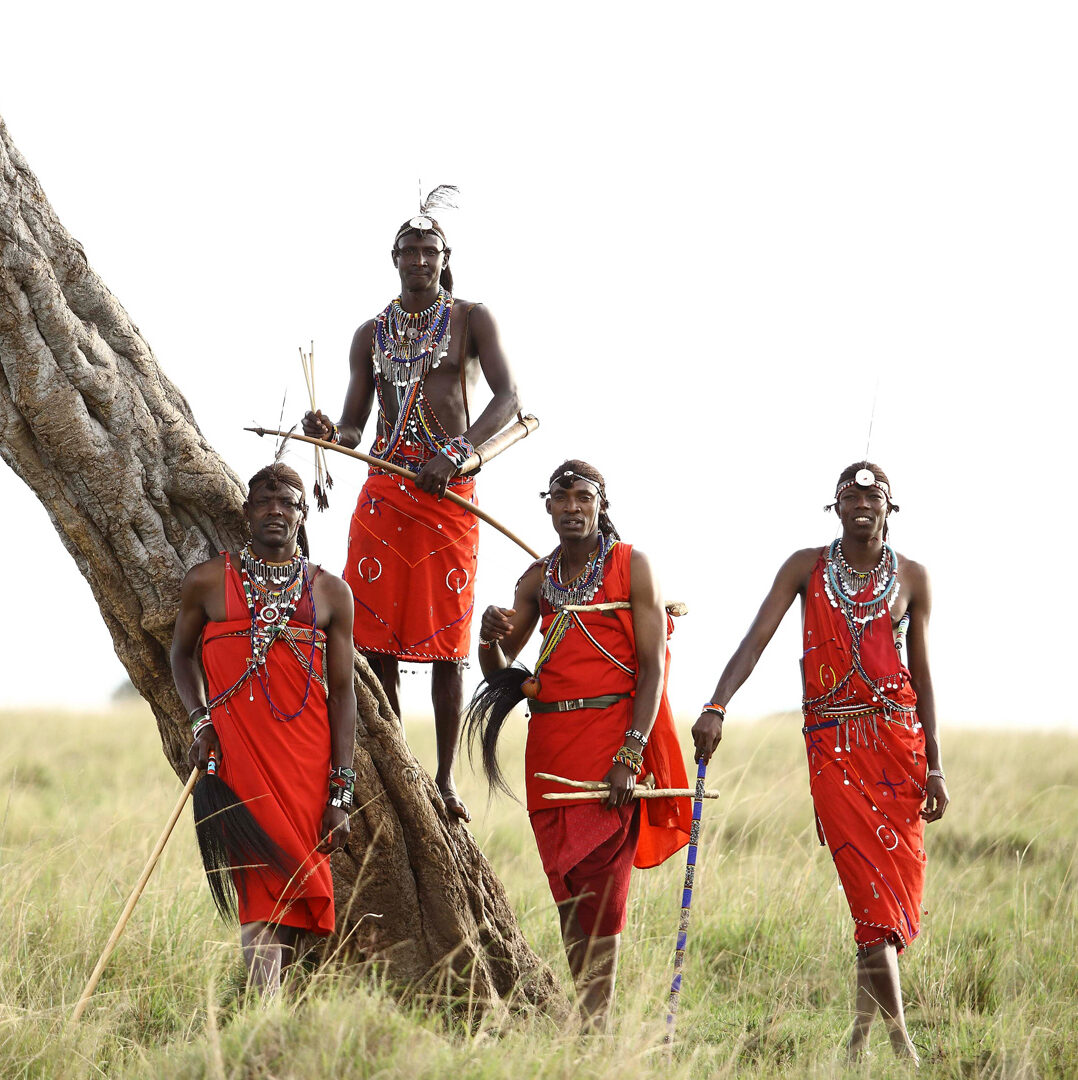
column 675, row 607
column 638, row 793
column 389, row 467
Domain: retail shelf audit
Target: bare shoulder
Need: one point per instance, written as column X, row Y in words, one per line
column 914, row 573
column 204, row 576
column 332, row 587
column 528, row 583
column 638, row 561
column 802, row 562
column 364, row 333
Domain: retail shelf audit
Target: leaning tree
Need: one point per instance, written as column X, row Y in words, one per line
column 111, row 449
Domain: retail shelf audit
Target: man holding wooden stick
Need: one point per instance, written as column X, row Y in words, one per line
column 875, row 767
column 272, row 707
column 412, row 556
column 599, row 713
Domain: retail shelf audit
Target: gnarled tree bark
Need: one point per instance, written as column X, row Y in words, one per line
column 109, row 445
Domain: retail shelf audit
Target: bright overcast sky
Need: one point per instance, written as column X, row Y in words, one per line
column 713, row 236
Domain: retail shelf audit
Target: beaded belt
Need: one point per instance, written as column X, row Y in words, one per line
column 573, row 704
column 840, row 716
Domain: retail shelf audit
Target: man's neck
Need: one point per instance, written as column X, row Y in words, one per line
column 418, row 301
column 575, row 554
column 862, row 554
column 282, row 553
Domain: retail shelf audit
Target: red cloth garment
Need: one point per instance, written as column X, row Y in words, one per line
column 574, row 838
column 280, row 769
column 411, row 568
column 867, row 773
column 587, row 852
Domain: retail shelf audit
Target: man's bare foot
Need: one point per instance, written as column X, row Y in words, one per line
column 454, row 804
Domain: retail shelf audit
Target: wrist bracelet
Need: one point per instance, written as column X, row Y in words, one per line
column 197, row 715
column 335, row 437
column 199, row 728
column 458, row 450
column 631, row 759
column 640, row 737
column 938, row 773
column 484, row 644
column 715, row 707
column 342, row 787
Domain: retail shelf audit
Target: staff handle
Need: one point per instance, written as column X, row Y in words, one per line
column 132, row 900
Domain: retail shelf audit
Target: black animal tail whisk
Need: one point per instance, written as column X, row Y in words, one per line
column 229, row 838
column 493, row 701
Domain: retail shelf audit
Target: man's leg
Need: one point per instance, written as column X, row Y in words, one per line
column 388, row 671
column 447, row 694
column 593, row 963
column 267, row 950
column 878, row 987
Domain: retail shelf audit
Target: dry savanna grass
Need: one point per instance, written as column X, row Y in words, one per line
column 991, row 984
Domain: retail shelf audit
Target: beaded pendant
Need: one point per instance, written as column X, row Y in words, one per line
column 408, row 344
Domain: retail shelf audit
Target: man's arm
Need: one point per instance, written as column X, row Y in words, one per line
column 788, row 584
column 358, row 399
column 186, row 669
column 436, row 474
column 649, row 628
column 508, row 629
column 920, row 608
column 341, row 702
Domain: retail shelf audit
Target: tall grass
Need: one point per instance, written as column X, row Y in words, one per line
column 991, row 984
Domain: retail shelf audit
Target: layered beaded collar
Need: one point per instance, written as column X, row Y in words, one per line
column 844, row 585
column 582, row 589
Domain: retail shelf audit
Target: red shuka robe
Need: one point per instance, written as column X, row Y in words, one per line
column 280, row 769
column 411, row 567
column 867, row 774
column 586, row 848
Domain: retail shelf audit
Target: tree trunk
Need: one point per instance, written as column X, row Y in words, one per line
column 90, row 422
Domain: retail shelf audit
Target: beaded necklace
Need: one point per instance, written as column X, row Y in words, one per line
column 271, row 609
column 843, row 584
column 408, row 344
column 582, row 589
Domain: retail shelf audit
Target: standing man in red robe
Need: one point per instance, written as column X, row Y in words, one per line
column 599, row 712
column 276, row 710
column 875, row 769
column 412, row 555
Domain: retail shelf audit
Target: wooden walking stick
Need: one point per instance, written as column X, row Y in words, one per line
column 389, row 467
column 686, row 902
column 132, row 900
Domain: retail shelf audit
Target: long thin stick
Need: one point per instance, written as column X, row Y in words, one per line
column 675, row 607
column 136, row 892
column 686, row 904
column 389, row 467
column 638, row 793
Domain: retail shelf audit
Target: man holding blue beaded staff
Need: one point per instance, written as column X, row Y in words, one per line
column 412, row 556
column 600, row 712
column 871, row 740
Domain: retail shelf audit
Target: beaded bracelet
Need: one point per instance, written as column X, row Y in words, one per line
column 336, row 436
column 938, row 773
column 197, row 715
column 458, row 450
column 199, row 728
column 342, row 787
column 715, row 707
column 484, row 644
column 640, row 737
column 631, row 759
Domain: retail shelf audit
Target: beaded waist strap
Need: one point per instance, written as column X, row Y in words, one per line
column 840, row 714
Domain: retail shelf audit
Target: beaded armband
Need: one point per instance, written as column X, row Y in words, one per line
column 714, row 707
column 631, row 759
column 640, row 737
column 458, row 450
column 342, row 787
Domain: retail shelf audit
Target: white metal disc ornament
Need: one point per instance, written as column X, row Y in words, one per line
column 864, row 478
column 422, row 222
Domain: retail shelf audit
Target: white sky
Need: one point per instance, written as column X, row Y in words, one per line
column 705, row 233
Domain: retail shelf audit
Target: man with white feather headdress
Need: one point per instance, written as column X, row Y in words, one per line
column 412, row 555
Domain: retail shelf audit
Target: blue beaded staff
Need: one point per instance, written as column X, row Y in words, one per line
column 686, row 903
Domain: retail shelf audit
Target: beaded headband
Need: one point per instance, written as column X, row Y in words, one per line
column 864, row 478
column 568, row 478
